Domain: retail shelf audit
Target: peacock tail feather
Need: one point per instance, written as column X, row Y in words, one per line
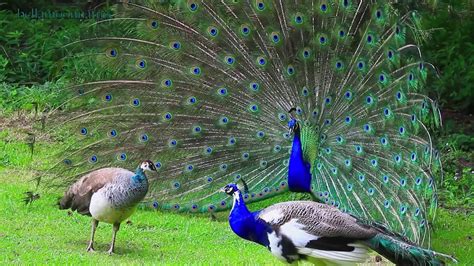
column 203, row 88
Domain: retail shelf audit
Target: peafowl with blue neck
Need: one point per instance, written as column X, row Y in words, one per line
column 322, row 97
column 322, row 234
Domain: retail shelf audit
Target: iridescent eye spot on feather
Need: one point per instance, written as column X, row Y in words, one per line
column 237, row 177
column 422, row 223
column 417, row 212
column 348, row 120
column 403, row 182
column 361, row 65
column 196, row 71
column 245, row 156
column 305, row 92
column 80, row 91
column 208, row 150
column 260, row 5
column 112, row 52
column 386, row 204
column 418, row 181
column 339, row 65
column 411, row 77
column 222, row 91
column 93, row 159
column 212, row 31
column 283, row 184
column 193, row 7
column 254, row 86
column 347, row 162
column 403, row 209
column 223, row 120
column 306, row 53
column 144, row 138
column 345, row 3
column 327, row 122
column 275, row 37
column 379, row 14
column 176, row 185
column 369, row 100
column 383, row 141
column 229, row 60
column 323, row 8
column 108, row 97
column 192, row 100
column 319, row 166
column 261, row 61
column 277, row 148
column 211, row 208
column 84, row 131
column 322, row 40
column 232, row 141
column 263, row 163
column 298, row 19
column 367, row 128
column 194, row 207
column 282, row 117
column 167, row 83
column 401, row 130
column 299, row 111
column 154, row 24
column 136, row 102
column 328, row 150
column 342, row 34
column 223, row 203
column 385, row 178
column 327, row 101
column 358, row 149
column 374, row 162
column 260, row 134
column 397, row 158
column 172, row 143
column 189, row 168
column 382, row 78
column 290, row 70
column 253, row 108
column 387, row 112
column 155, row 204
column 339, row 139
column 141, row 63
column 361, row 177
column 122, row 156
column 245, row 30
column 390, row 54
column 371, row 191
column 175, row 45
column 286, row 135
column 286, row 162
column 334, row 170
column 209, row 179
column 348, row 95
column 370, row 38
column 223, row 167
column 167, row 116
column 197, row 129
column 349, row 187
column 158, row 165
column 413, row 156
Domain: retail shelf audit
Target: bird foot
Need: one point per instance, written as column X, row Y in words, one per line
column 90, row 249
column 110, row 252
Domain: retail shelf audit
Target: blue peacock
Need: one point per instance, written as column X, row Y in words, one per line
column 323, row 97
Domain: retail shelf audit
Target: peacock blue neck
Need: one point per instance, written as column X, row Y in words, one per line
column 299, row 172
column 246, row 224
column 139, row 176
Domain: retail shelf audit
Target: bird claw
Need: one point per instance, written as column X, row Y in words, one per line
column 110, row 252
column 90, row 249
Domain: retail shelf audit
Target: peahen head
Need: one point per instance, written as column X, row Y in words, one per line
column 148, row 165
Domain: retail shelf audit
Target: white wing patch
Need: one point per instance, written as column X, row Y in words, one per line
column 295, row 232
column 272, row 216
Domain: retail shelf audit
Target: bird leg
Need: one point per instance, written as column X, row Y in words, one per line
column 112, row 245
column 90, row 248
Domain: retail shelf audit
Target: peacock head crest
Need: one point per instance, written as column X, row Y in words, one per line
column 230, row 189
column 148, row 165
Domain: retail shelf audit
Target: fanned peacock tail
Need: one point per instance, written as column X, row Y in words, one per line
column 203, row 88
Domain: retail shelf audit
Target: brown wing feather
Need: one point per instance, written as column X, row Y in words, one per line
column 78, row 196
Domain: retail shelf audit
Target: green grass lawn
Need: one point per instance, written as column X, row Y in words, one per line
column 40, row 233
